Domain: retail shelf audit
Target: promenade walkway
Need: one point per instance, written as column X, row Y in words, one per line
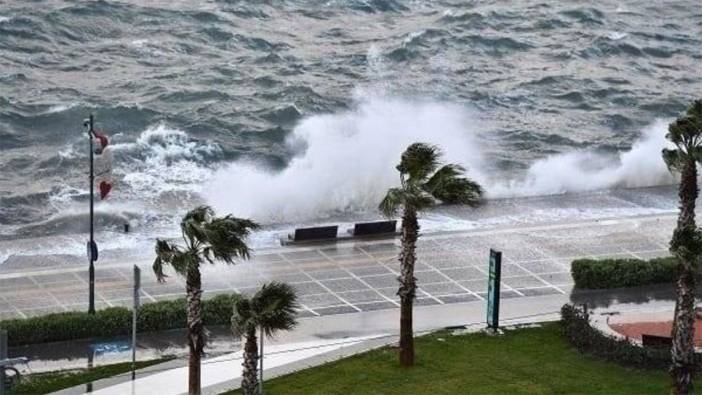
column 361, row 276
column 348, row 290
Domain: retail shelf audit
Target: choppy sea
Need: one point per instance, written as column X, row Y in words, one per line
column 296, row 111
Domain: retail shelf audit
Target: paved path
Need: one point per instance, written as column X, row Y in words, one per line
column 219, row 370
column 361, row 276
column 320, row 339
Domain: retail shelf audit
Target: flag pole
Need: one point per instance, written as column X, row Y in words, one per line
column 91, row 248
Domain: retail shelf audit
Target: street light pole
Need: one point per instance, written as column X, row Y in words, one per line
column 91, row 245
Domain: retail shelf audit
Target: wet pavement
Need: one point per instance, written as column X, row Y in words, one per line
column 348, row 289
column 381, row 326
column 88, row 353
column 361, row 276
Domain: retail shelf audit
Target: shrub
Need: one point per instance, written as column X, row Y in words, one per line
column 620, row 273
column 163, row 315
column 576, row 327
column 113, row 321
column 218, row 310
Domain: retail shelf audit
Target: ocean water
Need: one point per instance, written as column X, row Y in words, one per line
column 296, row 111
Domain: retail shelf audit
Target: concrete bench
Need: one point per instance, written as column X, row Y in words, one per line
column 373, row 228
column 317, row 233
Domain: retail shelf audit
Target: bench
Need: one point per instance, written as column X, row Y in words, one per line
column 314, row 234
column 656, row 341
column 373, row 228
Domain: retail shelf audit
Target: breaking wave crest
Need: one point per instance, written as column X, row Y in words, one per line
column 162, row 160
column 579, row 171
column 346, row 161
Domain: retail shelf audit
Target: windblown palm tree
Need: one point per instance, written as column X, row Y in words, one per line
column 207, row 239
column 424, row 182
column 686, row 134
column 273, row 308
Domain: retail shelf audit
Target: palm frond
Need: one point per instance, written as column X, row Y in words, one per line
column 694, row 112
column 179, row 259
column 193, row 224
column 243, row 317
column 199, row 214
column 276, row 307
column 696, row 154
column 448, row 186
column 686, row 133
column 418, row 161
column 392, row 202
column 183, row 260
column 226, row 238
column 207, row 238
column 165, row 253
column 417, row 198
column 671, row 157
column 442, row 177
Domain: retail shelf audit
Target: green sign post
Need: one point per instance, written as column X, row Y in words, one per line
column 493, row 295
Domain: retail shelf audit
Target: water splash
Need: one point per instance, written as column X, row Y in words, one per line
column 162, row 160
column 346, row 161
column 641, row 166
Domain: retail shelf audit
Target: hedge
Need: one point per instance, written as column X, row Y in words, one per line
column 113, row 321
column 621, row 273
column 576, row 328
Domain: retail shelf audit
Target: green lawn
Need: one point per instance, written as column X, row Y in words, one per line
column 523, row 361
column 44, row 383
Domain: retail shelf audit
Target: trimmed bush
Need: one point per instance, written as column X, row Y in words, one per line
column 218, row 310
column 113, row 321
column 621, row 273
column 161, row 316
column 576, row 328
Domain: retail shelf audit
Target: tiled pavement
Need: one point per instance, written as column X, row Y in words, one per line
column 362, row 276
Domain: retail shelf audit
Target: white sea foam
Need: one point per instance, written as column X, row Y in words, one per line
column 411, row 36
column 621, row 9
column 60, row 108
column 163, row 159
column 616, row 36
column 68, row 152
column 140, row 42
column 64, row 194
column 641, row 166
column 4, row 19
column 347, row 161
column 74, row 245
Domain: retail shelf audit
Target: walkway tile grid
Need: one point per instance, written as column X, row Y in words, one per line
column 347, row 278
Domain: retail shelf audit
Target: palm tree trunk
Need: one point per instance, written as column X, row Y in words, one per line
column 196, row 341
column 408, row 285
column 682, row 352
column 249, row 380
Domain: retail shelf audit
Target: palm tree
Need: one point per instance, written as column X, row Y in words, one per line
column 273, row 308
column 686, row 134
column 207, row 239
column 424, row 182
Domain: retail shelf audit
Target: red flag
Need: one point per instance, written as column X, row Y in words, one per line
column 105, row 189
column 103, row 164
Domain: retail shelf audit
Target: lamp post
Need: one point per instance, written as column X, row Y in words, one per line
column 92, row 248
